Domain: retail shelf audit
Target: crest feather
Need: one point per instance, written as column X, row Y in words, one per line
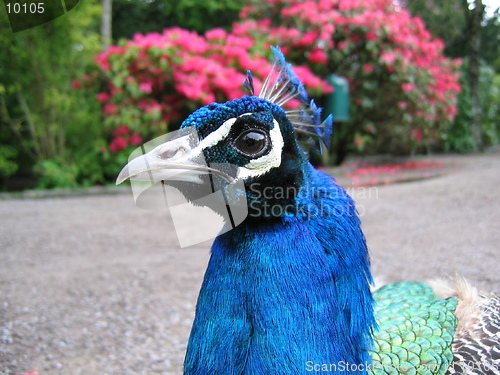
column 281, row 86
column 248, row 84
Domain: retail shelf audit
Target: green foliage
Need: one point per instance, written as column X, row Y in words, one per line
column 451, row 21
column 446, row 20
column 41, row 109
column 495, row 104
column 56, row 173
column 460, row 138
column 7, row 166
column 490, row 41
column 490, row 103
column 141, row 16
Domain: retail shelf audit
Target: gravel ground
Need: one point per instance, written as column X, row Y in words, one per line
column 95, row 285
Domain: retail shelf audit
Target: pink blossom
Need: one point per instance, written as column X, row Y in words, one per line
column 342, row 45
column 215, row 34
column 293, row 104
column 115, row 50
column 318, row 56
column 407, row 87
column 358, row 142
column 189, row 91
column 370, row 36
column 388, row 57
column 118, row 144
column 208, row 98
column 135, row 139
column 153, row 107
column 402, row 105
column 103, row 61
column 184, row 66
column 417, row 134
column 308, row 78
column 324, row 5
column 146, row 87
column 245, row 11
column 368, row 68
column 292, row 33
column 114, row 90
column 103, row 97
column 121, row 130
column 76, row 84
column 308, row 39
column 110, row 109
column 452, row 111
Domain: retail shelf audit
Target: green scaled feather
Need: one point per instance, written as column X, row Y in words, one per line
column 415, row 330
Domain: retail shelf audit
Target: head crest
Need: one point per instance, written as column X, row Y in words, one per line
column 281, row 86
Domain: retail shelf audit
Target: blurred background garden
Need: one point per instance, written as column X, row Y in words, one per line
column 79, row 93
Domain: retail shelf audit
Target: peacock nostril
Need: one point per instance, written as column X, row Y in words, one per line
column 174, row 149
column 169, row 154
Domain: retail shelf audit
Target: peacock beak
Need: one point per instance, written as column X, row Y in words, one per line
column 174, row 160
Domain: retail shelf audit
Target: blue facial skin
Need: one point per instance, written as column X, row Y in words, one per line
column 290, row 284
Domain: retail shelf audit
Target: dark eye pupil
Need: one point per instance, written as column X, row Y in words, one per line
column 251, row 142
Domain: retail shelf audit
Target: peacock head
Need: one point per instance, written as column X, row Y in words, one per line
column 251, row 140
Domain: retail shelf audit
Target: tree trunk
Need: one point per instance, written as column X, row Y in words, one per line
column 106, row 24
column 474, row 18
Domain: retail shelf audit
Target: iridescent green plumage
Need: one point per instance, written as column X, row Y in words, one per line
column 415, row 332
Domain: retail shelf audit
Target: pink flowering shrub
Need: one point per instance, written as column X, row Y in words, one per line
column 403, row 90
column 154, row 81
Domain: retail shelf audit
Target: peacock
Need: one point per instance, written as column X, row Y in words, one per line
column 289, row 290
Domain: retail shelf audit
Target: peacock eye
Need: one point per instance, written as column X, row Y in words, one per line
column 253, row 143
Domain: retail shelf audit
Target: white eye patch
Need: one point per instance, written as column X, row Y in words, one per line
column 215, row 137
column 255, row 167
column 219, row 135
column 264, row 164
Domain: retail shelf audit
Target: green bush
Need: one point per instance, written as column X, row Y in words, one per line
column 49, row 125
column 56, row 173
column 490, row 99
column 459, row 138
column 7, row 166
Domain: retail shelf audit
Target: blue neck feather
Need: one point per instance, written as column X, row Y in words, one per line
column 286, row 295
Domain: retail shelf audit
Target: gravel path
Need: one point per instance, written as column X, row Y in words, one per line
column 94, row 285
